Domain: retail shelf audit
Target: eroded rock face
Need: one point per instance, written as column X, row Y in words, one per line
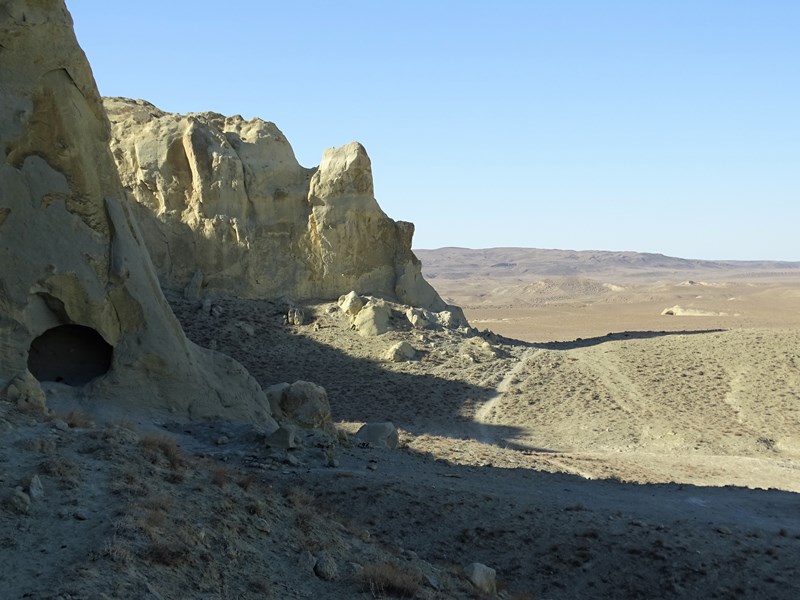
column 70, row 251
column 228, row 197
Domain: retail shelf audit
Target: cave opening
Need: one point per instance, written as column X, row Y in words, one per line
column 70, row 354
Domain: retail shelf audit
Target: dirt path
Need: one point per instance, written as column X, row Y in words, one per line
column 485, row 414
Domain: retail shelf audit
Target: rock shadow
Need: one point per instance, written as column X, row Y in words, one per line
column 359, row 389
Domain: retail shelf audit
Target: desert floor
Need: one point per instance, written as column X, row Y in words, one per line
column 587, row 446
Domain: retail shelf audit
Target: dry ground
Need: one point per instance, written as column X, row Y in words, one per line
column 617, row 465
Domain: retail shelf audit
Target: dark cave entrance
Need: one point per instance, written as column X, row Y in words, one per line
column 71, row 354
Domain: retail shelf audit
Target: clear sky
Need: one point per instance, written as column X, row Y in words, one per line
column 669, row 127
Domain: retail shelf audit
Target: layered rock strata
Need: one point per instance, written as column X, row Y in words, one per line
column 80, row 302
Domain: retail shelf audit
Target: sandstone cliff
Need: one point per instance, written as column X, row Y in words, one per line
column 223, row 201
column 80, row 302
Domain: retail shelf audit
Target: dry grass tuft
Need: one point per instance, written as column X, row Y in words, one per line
column 247, row 481
column 387, row 579
column 170, row 555
column 117, row 551
column 79, row 420
column 167, row 446
column 299, row 497
column 220, row 474
column 61, row 468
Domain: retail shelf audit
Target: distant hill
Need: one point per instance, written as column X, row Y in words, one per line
column 533, row 263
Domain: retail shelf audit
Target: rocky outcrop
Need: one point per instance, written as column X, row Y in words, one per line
column 226, row 198
column 76, row 283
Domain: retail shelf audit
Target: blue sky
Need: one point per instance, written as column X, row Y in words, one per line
column 669, row 127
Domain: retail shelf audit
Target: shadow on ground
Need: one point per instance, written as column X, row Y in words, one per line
column 561, row 536
column 359, row 389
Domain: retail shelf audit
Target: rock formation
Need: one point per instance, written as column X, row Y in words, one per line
column 224, row 201
column 80, row 302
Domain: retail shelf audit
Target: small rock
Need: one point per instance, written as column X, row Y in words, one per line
column 60, row 425
column 295, row 316
column 482, row 577
column 372, row 320
column 80, row 515
column 400, row 352
column 431, row 581
column 419, row 318
column 222, row 440
column 283, row 437
column 24, row 390
column 263, row 526
column 247, row 328
column 307, row 561
column 35, row 489
column 307, row 404
column 326, row 568
column 350, row 304
column 379, row 435
column 19, row 501
column 372, row 467
column 292, row 460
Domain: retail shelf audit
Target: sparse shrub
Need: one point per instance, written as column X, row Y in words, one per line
column 170, row 555
column 61, row 468
column 117, row 551
column 387, row 579
column 247, row 481
column 39, row 444
column 167, row 446
column 260, row 586
column 79, row 420
column 255, row 508
column 176, row 477
column 220, row 475
column 300, row 497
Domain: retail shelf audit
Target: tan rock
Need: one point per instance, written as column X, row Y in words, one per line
column 24, row 391
column 77, row 284
column 351, row 303
column 227, row 197
column 372, row 320
column 379, row 435
column 400, row 352
column 482, row 577
column 306, row 404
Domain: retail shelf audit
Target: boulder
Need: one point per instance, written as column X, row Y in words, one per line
column 275, row 394
column 482, row 577
column 24, row 391
column 350, row 303
column 450, row 319
column 325, row 567
column 400, row 352
column 283, row 437
column 372, row 320
column 306, row 404
column 419, row 318
column 80, row 300
column 379, row 435
column 227, row 196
